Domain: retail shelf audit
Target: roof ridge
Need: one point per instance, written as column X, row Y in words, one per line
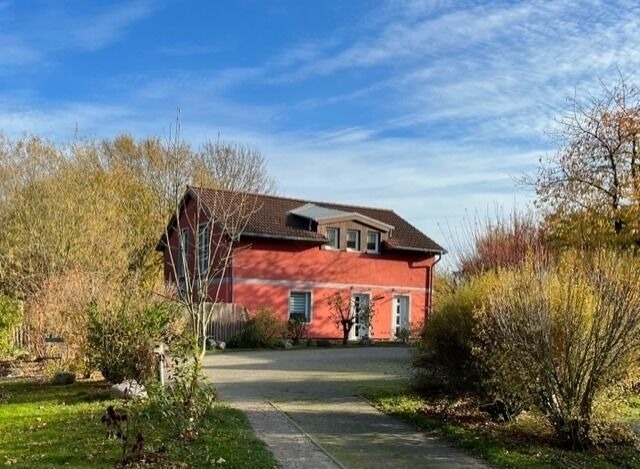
column 295, row 199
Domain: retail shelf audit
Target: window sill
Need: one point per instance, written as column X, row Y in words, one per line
column 307, row 323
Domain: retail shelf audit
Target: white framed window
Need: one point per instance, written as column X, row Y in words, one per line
column 353, row 240
column 203, row 249
column 300, row 305
column 182, row 255
column 333, row 235
column 373, row 242
column 360, row 302
column 401, row 314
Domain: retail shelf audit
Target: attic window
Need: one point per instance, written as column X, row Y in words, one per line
column 353, row 240
column 333, row 235
column 373, row 242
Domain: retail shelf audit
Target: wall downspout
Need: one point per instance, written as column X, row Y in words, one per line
column 430, row 288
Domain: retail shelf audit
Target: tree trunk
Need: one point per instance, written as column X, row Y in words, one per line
column 574, row 434
column 347, row 324
column 203, row 348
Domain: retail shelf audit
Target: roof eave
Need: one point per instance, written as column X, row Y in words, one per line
column 283, row 237
column 416, row 249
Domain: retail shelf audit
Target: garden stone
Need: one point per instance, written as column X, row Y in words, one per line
column 212, row 344
column 221, row 345
column 128, row 389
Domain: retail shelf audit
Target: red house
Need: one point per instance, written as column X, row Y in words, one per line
column 292, row 255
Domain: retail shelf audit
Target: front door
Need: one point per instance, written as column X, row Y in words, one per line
column 359, row 304
column 400, row 314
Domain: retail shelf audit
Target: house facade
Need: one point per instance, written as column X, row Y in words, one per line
column 293, row 255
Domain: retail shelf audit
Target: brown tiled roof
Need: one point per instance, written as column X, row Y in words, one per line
column 273, row 220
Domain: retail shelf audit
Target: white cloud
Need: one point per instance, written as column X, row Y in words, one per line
column 47, row 31
column 104, row 27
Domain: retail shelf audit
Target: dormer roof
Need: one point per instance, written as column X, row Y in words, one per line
column 320, row 214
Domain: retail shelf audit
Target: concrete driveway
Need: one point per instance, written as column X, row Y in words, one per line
column 304, row 404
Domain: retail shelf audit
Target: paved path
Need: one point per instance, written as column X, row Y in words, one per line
column 304, row 404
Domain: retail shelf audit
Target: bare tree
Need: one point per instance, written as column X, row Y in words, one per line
column 204, row 230
column 235, row 167
column 594, row 177
column 502, row 240
column 566, row 332
column 345, row 314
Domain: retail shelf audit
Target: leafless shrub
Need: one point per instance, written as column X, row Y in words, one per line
column 566, row 331
column 491, row 242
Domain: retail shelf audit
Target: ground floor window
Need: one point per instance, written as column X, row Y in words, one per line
column 300, row 305
column 401, row 314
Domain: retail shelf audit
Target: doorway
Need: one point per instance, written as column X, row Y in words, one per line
column 401, row 318
column 360, row 304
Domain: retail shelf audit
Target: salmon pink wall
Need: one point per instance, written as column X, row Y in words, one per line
column 322, row 325
column 264, row 273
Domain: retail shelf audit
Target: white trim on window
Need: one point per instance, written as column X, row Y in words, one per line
column 183, row 252
column 357, row 240
column 203, row 249
column 354, row 333
column 394, row 312
column 308, row 304
column 336, row 245
column 375, row 250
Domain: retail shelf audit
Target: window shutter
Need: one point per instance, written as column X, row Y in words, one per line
column 299, row 304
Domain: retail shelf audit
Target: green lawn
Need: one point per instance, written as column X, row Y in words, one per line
column 526, row 443
column 48, row 426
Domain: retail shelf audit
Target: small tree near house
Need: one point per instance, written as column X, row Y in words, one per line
column 345, row 315
column 207, row 232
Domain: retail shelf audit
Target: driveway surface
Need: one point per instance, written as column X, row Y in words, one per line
column 305, row 405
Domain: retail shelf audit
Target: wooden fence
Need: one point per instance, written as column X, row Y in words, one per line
column 227, row 321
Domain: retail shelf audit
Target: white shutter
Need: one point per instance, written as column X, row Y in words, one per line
column 300, row 304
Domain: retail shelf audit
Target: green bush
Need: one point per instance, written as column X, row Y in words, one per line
column 450, row 357
column 62, row 378
column 185, row 402
column 444, row 360
column 10, row 318
column 264, row 329
column 563, row 334
column 297, row 329
column 404, row 335
column 122, row 339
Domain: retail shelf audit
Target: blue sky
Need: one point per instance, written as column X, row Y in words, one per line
column 427, row 107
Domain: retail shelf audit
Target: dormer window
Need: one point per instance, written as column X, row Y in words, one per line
column 333, row 235
column 373, row 242
column 353, row 240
